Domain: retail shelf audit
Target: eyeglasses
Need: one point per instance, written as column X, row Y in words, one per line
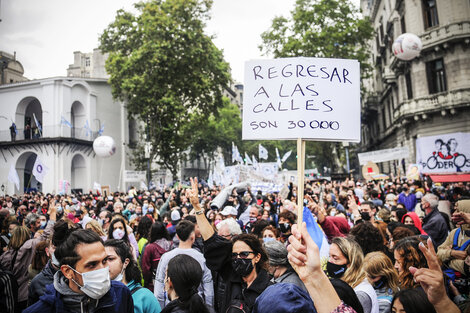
column 241, row 255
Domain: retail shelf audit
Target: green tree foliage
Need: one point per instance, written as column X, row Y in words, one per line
column 166, row 69
column 321, row 28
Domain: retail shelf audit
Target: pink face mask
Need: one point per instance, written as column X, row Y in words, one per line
column 216, row 222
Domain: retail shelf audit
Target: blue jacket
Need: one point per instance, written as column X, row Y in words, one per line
column 117, row 300
column 144, row 300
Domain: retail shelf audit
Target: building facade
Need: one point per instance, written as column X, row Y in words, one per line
column 11, row 70
column 88, row 65
column 57, row 120
column 429, row 95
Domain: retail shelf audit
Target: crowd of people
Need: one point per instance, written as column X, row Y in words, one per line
column 394, row 246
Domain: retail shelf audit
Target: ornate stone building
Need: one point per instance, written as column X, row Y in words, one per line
column 427, row 96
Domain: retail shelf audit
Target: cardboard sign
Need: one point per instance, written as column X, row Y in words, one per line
column 308, row 98
column 369, row 170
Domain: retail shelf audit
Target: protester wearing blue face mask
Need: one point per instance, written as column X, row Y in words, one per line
column 279, row 268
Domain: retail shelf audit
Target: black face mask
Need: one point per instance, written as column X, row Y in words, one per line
column 335, row 270
column 285, row 227
column 365, row 216
column 242, row 267
column 380, row 283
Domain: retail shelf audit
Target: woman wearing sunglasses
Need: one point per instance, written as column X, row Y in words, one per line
column 240, row 263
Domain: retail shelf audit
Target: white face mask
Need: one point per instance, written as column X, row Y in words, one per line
column 121, row 275
column 118, row 234
column 55, row 261
column 95, row 283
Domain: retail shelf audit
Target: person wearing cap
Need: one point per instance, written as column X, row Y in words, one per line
column 279, row 267
column 284, row 297
column 175, row 216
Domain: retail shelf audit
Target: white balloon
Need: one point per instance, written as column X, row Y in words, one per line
column 407, row 46
column 104, row 146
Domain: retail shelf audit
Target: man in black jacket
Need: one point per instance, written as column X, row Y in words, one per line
column 433, row 223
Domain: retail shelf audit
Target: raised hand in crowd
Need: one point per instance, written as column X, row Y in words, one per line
column 304, row 256
column 432, row 281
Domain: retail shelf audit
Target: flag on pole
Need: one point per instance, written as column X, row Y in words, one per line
column 64, row 121
column 278, row 159
column 88, row 131
column 263, row 153
column 316, row 233
column 38, row 125
column 39, row 170
column 13, row 176
column 286, row 156
column 248, row 160
column 100, row 132
column 255, row 163
column 236, row 154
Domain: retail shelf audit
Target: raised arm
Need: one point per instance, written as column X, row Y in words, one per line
column 432, row 281
column 205, row 227
column 304, row 256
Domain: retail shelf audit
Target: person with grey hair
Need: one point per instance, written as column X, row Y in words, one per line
column 433, row 223
column 32, row 222
column 279, row 266
column 228, row 228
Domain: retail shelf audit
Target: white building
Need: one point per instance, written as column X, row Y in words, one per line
column 66, row 149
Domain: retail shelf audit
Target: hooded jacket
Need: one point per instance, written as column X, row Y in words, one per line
column 39, row 283
column 416, row 221
column 60, row 298
column 444, row 250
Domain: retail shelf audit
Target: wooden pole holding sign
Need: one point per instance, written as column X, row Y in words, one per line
column 300, row 179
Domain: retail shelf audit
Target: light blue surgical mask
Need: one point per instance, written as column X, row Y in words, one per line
column 43, row 224
column 55, row 261
column 268, row 239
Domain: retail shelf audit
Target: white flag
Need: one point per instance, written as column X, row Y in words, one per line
column 263, row 153
column 40, row 170
column 255, row 163
column 96, row 186
column 286, row 156
column 13, row 177
column 278, row 159
column 236, row 154
column 143, row 186
column 247, row 159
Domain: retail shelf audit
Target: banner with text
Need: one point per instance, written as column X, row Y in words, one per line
column 135, row 176
column 447, row 153
column 308, row 98
column 384, row 155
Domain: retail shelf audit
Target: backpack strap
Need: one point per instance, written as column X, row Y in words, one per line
column 455, row 244
column 136, row 289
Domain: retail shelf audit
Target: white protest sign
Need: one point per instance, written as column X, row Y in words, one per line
column 384, row 155
column 308, row 98
column 135, row 176
column 446, row 153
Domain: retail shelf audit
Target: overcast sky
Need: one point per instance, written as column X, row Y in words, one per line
column 45, row 33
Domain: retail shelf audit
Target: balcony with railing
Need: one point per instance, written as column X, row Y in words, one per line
column 445, row 33
column 437, row 102
column 48, row 133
